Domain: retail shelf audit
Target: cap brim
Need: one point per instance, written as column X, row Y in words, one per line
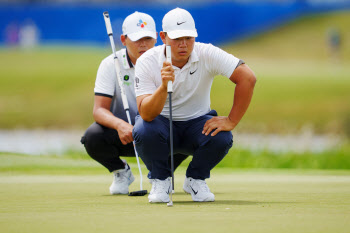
column 138, row 35
column 182, row 33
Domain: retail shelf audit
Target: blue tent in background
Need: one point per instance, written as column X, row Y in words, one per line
column 216, row 22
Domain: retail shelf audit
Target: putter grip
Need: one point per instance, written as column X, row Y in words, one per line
column 108, row 23
column 168, row 59
column 170, row 87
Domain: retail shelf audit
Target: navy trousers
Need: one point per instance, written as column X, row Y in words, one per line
column 104, row 146
column 152, row 141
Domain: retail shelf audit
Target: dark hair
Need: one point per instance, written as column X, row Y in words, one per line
column 126, row 36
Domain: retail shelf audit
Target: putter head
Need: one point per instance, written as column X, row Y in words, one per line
column 170, row 204
column 138, row 193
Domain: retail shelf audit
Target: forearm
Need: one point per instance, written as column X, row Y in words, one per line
column 242, row 98
column 106, row 118
column 151, row 106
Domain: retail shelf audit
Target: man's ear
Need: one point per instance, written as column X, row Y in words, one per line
column 163, row 36
column 122, row 39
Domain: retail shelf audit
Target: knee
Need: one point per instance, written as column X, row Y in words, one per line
column 222, row 141
column 93, row 136
column 147, row 132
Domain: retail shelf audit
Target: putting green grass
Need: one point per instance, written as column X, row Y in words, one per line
column 53, row 199
column 245, row 202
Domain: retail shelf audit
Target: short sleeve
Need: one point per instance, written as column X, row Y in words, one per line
column 218, row 61
column 144, row 78
column 105, row 78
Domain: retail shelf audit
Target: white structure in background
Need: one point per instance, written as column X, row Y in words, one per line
column 46, row 142
column 28, row 36
column 40, row 142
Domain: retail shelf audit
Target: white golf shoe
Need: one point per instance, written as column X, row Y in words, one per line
column 160, row 190
column 198, row 189
column 122, row 179
column 186, row 186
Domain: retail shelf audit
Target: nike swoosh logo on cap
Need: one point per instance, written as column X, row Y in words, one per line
column 181, row 23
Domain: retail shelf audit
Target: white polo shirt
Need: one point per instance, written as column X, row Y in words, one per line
column 106, row 81
column 191, row 88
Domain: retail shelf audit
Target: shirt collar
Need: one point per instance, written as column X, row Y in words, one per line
column 193, row 57
column 127, row 64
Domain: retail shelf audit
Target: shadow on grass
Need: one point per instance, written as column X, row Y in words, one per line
column 215, row 203
column 229, row 202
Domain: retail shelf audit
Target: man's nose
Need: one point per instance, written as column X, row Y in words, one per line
column 183, row 42
column 143, row 42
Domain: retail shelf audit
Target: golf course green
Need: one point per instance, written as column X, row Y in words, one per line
column 300, row 88
column 268, row 201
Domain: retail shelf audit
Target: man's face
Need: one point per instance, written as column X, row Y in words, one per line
column 181, row 49
column 137, row 48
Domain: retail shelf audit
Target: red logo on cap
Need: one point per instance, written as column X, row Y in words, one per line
column 141, row 23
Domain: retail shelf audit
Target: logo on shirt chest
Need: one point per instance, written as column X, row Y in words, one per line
column 126, row 80
column 192, row 72
column 137, row 81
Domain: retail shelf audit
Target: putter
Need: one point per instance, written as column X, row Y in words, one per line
column 123, row 95
column 170, row 91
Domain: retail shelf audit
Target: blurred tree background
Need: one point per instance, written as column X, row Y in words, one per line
column 299, row 50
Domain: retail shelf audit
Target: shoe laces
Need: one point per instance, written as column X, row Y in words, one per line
column 160, row 186
column 202, row 185
column 121, row 175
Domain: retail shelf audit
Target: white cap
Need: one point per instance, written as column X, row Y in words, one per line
column 179, row 23
column 139, row 25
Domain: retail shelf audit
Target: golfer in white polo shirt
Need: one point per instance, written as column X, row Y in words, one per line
column 111, row 135
column 198, row 131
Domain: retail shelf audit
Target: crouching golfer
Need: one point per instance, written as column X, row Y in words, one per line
column 198, row 131
column 111, row 135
